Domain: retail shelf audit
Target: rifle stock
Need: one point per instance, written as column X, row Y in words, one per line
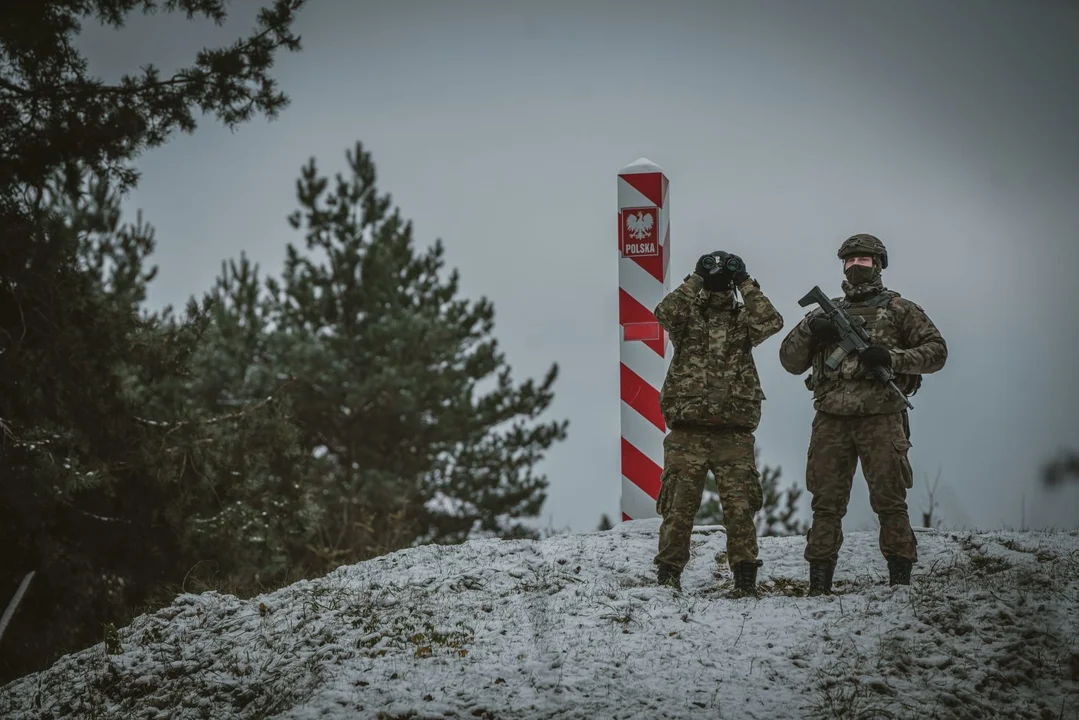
column 816, row 295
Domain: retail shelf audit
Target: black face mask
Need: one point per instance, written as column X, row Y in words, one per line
column 860, row 274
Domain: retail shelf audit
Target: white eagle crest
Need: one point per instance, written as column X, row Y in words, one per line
column 639, row 225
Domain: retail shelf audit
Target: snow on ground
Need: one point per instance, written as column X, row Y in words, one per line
column 573, row 627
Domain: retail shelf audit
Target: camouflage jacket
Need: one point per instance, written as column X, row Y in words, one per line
column 902, row 326
column 712, row 379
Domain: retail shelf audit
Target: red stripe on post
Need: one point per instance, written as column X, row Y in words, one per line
column 631, row 312
column 642, row 397
column 640, row 471
column 649, row 184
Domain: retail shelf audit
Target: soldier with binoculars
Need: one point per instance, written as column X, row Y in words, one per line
column 711, row 401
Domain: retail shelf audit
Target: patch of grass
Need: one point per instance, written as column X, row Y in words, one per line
column 1016, row 636
column 841, row 692
column 549, row 579
column 786, row 586
column 623, row 613
column 412, row 629
column 1012, row 545
column 989, row 564
column 1040, row 554
column 111, row 639
column 431, row 637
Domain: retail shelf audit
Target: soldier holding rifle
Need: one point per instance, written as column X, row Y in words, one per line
column 867, row 352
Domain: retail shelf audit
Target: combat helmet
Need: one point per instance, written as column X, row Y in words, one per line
column 866, row 244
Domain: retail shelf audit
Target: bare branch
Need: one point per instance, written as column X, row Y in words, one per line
column 10, row 611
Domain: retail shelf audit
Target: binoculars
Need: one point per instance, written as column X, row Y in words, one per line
column 714, row 264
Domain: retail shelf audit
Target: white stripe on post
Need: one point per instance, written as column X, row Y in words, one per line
column 642, row 360
column 636, row 503
column 642, row 434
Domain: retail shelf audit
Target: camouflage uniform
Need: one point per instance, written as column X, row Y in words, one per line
column 711, row 401
column 859, row 418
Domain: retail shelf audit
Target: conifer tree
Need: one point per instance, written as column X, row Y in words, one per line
column 388, row 369
column 96, row 490
column 779, row 516
column 158, row 493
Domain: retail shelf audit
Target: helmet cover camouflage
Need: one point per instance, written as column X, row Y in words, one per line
column 863, row 243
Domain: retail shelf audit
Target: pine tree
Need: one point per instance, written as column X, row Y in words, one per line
column 158, row 492
column 93, row 495
column 779, row 516
column 389, row 367
column 604, row 523
column 710, row 512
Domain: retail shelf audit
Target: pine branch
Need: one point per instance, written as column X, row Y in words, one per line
column 84, row 89
column 173, row 426
column 102, row 518
column 22, row 321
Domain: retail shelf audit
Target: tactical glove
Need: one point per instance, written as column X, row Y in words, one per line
column 823, row 330
column 704, row 265
column 718, row 269
column 876, row 356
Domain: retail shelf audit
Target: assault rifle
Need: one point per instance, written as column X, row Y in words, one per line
column 852, row 337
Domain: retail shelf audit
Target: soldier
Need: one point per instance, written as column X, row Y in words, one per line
column 858, row 417
column 711, row 401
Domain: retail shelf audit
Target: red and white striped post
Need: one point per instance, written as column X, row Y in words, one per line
column 644, row 252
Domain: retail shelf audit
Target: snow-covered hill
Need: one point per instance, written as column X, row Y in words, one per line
column 573, row 627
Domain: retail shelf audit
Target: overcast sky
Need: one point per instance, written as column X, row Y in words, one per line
column 947, row 129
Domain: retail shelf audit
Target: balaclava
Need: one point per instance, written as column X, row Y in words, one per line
column 863, row 274
column 863, row 280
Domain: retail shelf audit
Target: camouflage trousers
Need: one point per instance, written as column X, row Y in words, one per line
column 836, row 444
column 688, row 455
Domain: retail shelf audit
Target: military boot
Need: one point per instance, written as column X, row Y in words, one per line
column 670, row 576
column 820, row 578
column 745, row 577
column 899, row 571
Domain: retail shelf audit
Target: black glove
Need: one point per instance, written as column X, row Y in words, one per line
column 876, row 356
column 823, row 330
column 701, row 268
column 718, row 270
column 740, row 275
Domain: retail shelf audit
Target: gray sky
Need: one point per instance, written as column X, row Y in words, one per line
column 947, row 129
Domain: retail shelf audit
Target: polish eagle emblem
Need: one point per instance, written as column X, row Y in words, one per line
column 639, row 225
